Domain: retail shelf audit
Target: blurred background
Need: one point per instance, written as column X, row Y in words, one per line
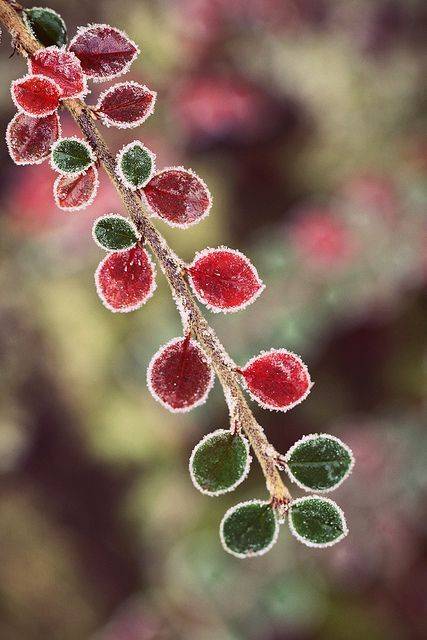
column 307, row 118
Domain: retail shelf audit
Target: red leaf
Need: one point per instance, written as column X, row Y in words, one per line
column 125, row 280
column 104, row 52
column 36, row 95
column 224, row 279
column 277, row 379
column 29, row 139
column 73, row 193
column 178, row 196
column 63, row 67
column 126, row 105
column 179, row 375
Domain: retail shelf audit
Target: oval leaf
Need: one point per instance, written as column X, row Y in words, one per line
column 135, row 165
column 36, row 96
column 178, row 197
column 71, row 156
column 179, row 375
column 219, row 462
column 46, row 25
column 74, row 193
column 125, row 280
column 249, row 529
column 317, row 522
column 29, row 140
column 277, row 379
column 319, row 462
column 61, row 66
column 104, row 52
column 224, row 279
column 114, row 233
column 125, row 105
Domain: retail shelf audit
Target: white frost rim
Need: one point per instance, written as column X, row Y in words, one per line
column 48, row 10
column 308, row 543
column 85, row 89
column 119, row 170
column 9, row 140
column 72, row 173
column 115, row 215
column 251, row 554
column 85, row 204
column 28, row 77
column 110, row 122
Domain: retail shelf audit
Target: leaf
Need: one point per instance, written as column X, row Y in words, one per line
column 219, row 462
column 125, row 280
column 224, row 279
column 29, row 140
column 135, row 165
column 317, row 522
column 75, row 193
column 277, row 379
column 126, row 105
column 46, row 25
column 71, row 156
column 249, row 529
column 36, row 96
column 114, row 233
column 319, row 462
column 179, row 375
column 61, row 66
column 104, row 52
column 178, row 196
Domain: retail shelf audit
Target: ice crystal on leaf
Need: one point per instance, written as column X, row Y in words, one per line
column 224, row 279
column 317, row 522
column 114, row 233
column 126, row 105
column 46, row 25
column 249, row 529
column 74, row 193
column 36, row 95
column 135, row 165
column 71, row 156
column 179, row 375
column 29, row 139
column 61, row 66
column 125, row 280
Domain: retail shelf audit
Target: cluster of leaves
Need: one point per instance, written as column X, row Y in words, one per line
column 180, row 374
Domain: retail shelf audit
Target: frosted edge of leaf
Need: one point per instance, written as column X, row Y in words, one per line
column 265, row 405
column 308, row 543
column 108, row 122
column 209, row 250
column 97, row 79
column 84, row 205
column 261, row 552
column 29, row 76
column 81, row 94
column 233, row 486
column 72, row 173
column 151, row 389
column 308, row 438
column 115, row 215
column 119, row 158
column 180, row 225
column 48, row 10
column 9, row 143
column 129, row 308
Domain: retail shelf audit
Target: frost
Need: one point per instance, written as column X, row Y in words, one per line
column 46, row 25
column 71, row 156
column 113, row 232
column 317, row 518
column 135, row 165
column 75, row 193
column 35, row 95
column 29, row 139
column 61, row 66
column 126, row 105
column 253, row 535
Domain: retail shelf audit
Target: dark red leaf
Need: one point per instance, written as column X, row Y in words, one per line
column 63, row 67
column 36, row 95
column 29, row 139
column 73, row 193
column 126, row 105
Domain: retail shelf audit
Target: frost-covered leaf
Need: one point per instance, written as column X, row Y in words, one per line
column 126, row 105
column 178, row 196
column 104, row 52
column 74, row 193
column 61, row 66
column 249, row 529
column 125, row 280
column 46, row 25
column 317, row 522
column 277, row 379
column 29, row 139
column 114, row 233
column 224, row 279
column 179, row 375
column 135, row 165
column 319, row 462
column 71, row 156
column 36, row 96
column 219, row 462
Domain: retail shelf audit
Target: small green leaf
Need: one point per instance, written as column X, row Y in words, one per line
column 135, row 165
column 317, row 522
column 71, row 156
column 46, row 25
column 319, row 462
column 219, row 462
column 249, row 529
column 114, row 233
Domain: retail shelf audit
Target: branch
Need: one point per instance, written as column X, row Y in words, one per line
column 192, row 318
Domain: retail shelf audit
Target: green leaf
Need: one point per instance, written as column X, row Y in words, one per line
column 114, row 233
column 135, row 165
column 46, row 25
column 319, row 462
column 71, row 156
column 249, row 529
column 219, row 462
column 317, row 522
